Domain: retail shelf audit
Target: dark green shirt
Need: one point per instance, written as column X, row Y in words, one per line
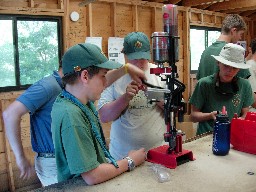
column 76, row 149
column 208, row 65
column 207, row 99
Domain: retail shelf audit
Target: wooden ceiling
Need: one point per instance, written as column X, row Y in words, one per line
column 241, row 7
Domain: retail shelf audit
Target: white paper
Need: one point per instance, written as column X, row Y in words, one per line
column 115, row 46
column 94, row 40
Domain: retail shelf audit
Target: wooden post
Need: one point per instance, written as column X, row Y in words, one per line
column 113, row 18
column 186, row 50
column 60, row 4
column 89, row 17
column 153, row 19
column 65, row 26
column 31, row 3
column 135, row 18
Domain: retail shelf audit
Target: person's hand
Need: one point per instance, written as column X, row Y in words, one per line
column 26, row 169
column 131, row 90
column 160, row 104
column 136, row 73
column 138, row 156
column 249, row 56
column 213, row 115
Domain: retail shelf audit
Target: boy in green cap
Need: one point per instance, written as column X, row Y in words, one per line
column 79, row 142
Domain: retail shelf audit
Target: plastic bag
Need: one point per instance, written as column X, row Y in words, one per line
column 161, row 172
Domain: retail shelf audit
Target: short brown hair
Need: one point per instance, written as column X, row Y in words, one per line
column 71, row 78
column 233, row 21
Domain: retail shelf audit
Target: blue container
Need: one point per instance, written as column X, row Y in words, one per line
column 221, row 134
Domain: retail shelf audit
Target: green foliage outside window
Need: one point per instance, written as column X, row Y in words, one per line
column 7, row 67
column 38, row 50
column 29, row 52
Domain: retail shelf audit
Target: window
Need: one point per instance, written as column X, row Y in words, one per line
column 30, row 48
column 200, row 38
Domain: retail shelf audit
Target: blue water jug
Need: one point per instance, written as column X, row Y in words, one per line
column 221, row 134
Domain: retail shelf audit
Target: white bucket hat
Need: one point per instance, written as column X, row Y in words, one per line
column 233, row 55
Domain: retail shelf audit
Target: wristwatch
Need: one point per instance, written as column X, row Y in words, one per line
column 131, row 164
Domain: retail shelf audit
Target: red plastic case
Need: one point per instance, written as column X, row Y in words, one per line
column 243, row 133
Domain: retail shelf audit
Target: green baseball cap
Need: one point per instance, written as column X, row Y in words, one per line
column 84, row 55
column 136, row 46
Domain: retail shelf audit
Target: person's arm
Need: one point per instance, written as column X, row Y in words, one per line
column 107, row 171
column 254, row 103
column 244, row 111
column 198, row 116
column 112, row 110
column 249, row 56
column 136, row 73
column 12, row 117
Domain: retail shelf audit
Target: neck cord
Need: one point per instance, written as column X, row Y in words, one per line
column 91, row 112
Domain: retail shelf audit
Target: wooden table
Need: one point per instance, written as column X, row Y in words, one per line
column 207, row 173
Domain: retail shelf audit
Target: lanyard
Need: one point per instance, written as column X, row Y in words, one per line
column 92, row 114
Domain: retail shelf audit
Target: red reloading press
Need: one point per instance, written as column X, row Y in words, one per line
column 173, row 154
column 165, row 55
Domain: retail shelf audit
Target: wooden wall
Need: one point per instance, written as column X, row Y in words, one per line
column 104, row 18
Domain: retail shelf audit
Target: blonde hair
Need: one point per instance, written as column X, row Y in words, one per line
column 233, row 21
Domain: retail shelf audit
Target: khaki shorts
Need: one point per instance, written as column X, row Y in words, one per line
column 46, row 170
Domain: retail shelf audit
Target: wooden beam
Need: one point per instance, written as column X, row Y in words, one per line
column 194, row 10
column 199, row 23
column 202, row 17
column 189, row 3
column 238, row 10
column 182, row 8
column 204, row 6
column 60, row 4
column 85, row 2
column 89, row 16
column 186, row 54
column 153, row 9
column 157, row 1
column 249, row 32
column 10, row 95
column 31, row 3
column 134, row 2
column 248, row 13
column 227, row 5
column 253, row 29
column 253, row 16
column 31, row 11
column 65, row 25
column 113, row 18
column 173, row 1
column 135, row 21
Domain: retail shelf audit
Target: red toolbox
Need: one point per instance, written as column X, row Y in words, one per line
column 243, row 133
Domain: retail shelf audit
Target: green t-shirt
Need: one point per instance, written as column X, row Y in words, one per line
column 208, row 65
column 206, row 98
column 76, row 149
